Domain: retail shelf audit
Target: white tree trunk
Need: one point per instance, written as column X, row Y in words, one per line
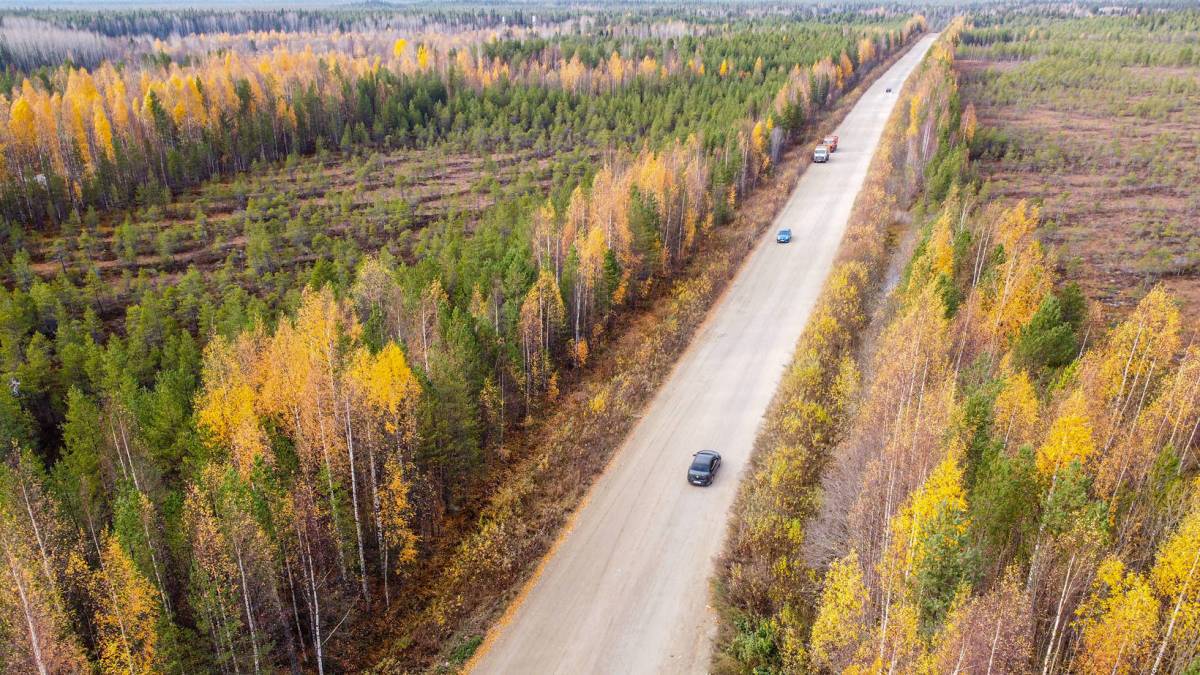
column 362, row 560
column 27, row 610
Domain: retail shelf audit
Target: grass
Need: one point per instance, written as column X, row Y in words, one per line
column 463, row 650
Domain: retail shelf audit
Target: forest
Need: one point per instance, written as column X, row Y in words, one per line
column 981, row 460
column 285, row 294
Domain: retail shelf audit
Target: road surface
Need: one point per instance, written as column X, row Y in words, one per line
column 627, row 589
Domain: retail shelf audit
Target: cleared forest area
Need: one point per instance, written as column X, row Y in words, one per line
column 1096, row 121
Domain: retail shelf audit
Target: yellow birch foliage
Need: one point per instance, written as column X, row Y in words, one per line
column 616, row 69
column 1176, row 578
column 1166, row 422
column 838, row 629
column 903, row 649
column 1146, row 338
column 866, row 50
column 648, row 67
column 397, row 512
column 1119, row 623
column 1069, row 438
column 942, row 494
column 909, row 405
column 227, row 405
column 103, row 130
column 970, row 122
column 34, row 625
column 914, row 115
column 387, row 384
column 119, row 104
column 285, row 377
column 1118, row 376
column 1022, row 280
column 571, row 73
column 127, row 614
column 937, row 258
column 1016, row 410
column 759, row 137
column 21, row 124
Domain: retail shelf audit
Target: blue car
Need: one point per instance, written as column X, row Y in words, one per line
column 784, row 236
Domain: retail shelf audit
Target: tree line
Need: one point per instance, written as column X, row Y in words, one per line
column 78, row 138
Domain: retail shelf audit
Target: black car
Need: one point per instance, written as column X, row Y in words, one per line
column 704, row 467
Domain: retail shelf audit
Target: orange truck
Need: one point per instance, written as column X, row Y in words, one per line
column 831, row 143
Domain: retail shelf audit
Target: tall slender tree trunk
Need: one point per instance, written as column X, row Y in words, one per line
column 214, row 634
column 362, row 560
column 117, row 445
column 27, row 609
column 1062, row 599
column 992, row 654
column 318, row 642
column 377, row 513
column 287, row 565
column 162, row 590
column 228, row 636
column 333, row 510
column 250, row 622
column 37, row 535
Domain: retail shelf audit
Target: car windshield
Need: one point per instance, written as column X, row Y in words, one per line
column 700, row 463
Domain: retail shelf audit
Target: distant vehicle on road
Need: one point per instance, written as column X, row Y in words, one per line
column 784, row 236
column 704, row 467
column 821, row 154
column 831, row 143
column 888, row 90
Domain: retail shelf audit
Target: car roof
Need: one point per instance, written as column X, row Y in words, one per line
column 822, row 147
